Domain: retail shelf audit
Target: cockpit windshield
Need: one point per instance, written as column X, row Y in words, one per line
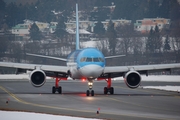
column 91, row 59
column 88, row 59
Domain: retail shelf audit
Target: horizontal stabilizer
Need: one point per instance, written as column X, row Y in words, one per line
column 116, row 56
column 49, row 57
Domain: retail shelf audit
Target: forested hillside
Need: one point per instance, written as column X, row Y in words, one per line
column 155, row 47
column 14, row 13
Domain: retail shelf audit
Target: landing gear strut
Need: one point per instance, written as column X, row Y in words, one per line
column 57, row 87
column 90, row 91
column 108, row 88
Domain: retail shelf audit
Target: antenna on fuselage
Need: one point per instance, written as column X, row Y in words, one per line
column 77, row 28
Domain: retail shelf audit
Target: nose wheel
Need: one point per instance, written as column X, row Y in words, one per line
column 90, row 91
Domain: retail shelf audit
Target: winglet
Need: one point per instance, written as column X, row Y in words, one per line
column 77, row 28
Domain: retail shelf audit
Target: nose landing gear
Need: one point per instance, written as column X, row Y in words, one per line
column 90, row 91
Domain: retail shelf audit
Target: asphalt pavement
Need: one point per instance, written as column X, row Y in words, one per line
column 125, row 104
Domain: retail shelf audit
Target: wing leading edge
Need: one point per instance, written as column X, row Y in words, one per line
column 47, row 68
column 143, row 69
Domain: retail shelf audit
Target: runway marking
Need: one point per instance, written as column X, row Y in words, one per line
column 145, row 90
column 69, row 109
column 38, row 105
column 122, row 101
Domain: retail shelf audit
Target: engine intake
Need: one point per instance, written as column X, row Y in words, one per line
column 132, row 79
column 37, row 78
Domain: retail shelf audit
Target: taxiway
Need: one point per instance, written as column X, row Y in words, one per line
column 125, row 104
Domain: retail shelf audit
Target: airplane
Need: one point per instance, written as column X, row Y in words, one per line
column 86, row 64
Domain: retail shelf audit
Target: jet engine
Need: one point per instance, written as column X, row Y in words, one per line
column 37, row 78
column 132, row 79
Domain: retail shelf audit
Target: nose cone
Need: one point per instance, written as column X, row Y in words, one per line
column 91, row 71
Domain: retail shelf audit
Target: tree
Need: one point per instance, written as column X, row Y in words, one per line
column 99, row 29
column 2, row 12
column 111, row 35
column 175, row 37
column 3, row 44
column 175, row 10
column 34, row 32
column 154, row 41
column 157, row 38
column 126, row 33
column 2, row 5
column 153, row 9
column 89, row 28
column 150, row 42
column 165, row 9
column 60, row 29
column 166, row 44
column 15, row 50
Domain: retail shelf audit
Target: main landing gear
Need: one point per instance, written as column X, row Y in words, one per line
column 90, row 91
column 109, row 88
column 57, row 87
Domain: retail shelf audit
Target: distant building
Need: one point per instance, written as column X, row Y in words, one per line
column 82, row 24
column 23, row 29
column 142, row 26
column 83, row 34
column 42, row 26
column 117, row 23
column 52, row 27
column 145, row 25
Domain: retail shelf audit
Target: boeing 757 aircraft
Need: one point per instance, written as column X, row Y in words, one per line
column 88, row 64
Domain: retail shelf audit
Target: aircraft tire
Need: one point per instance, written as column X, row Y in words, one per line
column 87, row 93
column 111, row 90
column 105, row 90
column 92, row 93
column 60, row 90
column 53, row 89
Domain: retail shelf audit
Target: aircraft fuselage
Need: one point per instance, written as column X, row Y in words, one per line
column 86, row 63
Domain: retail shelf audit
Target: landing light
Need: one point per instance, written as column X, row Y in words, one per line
column 90, row 83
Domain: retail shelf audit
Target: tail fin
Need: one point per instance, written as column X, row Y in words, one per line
column 77, row 28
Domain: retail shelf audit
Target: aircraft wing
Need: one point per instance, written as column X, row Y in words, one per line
column 46, row 68
column 143, row 69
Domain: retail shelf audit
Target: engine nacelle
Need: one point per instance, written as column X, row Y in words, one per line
column 37, row 78
column 132, row 79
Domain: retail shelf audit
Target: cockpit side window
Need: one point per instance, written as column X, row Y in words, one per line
column 101, row 59
column 83, row 59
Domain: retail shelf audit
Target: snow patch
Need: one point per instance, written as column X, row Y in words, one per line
column 167, row 88
column 8, row 115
